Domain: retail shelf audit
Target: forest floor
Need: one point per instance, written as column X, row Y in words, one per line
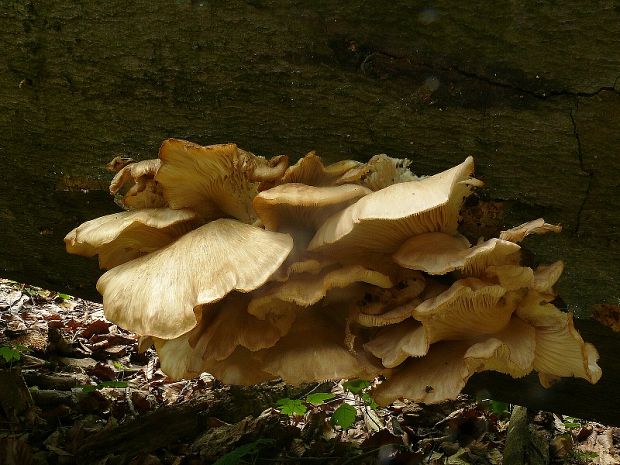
column 75, row 390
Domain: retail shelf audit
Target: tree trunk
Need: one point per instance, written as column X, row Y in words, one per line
column 530, row 89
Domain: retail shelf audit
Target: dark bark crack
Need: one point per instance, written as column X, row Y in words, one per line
column 587, row 172
column 541, row 95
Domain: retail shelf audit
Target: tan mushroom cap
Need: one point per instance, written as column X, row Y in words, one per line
column 121, row 237
column 157, row 294
column 137, row 172
column 511, row 277
column 297, row 206
column 313, row 350
column 179, row 360
column 310, row 170
column 144, row 191
column 383, row 220
column 439, row 253
column 469, row 307
column 444, row 371
column 518, row 233
column 439, row 376
column 225, row 325
column 307, row 290
column 510, row 351
column 394, row 344
column 560, row 350
column 546, row 276
column 380, row 172
column 214, row 181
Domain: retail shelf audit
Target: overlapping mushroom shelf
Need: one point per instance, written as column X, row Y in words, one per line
column 252, row 269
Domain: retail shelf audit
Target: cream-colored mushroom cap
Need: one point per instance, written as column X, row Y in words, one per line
column 538, row 226
column 136, row 172
column 157, row 294
column 144, row 191
column 560, row 350
column 226, row 324
column 383, row 220
column 121, row 237
column 439, row 376
column 381, row 171
column 306, row 290
column 313, row 350
column 298, row 206
column 310, row 170
column 214, row 181
column 439, row 253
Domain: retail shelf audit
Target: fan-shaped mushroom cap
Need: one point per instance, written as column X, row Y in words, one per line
column 178, row 360
column 394, row 344
column 439, row 253
column 311, row 171
column 157, row 294
column 144, row 191
column 383, row 220
column 518, row 233
column 136, row 172
column 225, row 325
column 469, row 307
column 303, row 291
column 545, row 277
column 295, row 206
column 439, row 376
column 121, row 237
column 444, row 371
column 390, row 317
column 381, row 171
column 560, row 350
column 313, row 350
column 214, row 181
column 511, row 277
column 510, row 351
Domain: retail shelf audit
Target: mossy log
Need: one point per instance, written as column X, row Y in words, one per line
column 530, row 89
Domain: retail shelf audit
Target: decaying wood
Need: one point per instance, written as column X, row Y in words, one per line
column 145, row 433
column 527, row 89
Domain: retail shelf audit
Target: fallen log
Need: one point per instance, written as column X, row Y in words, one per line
column 535, row 101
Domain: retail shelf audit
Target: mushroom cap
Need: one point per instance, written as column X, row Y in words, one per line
column 395, row 343
column 538, row 226
column 383, row 220
column 314, row 350
column 121, row 237
column 311, row 171
column 560, row 350
column 157, row 294
column 134, row 171
column 510, row 351
column 214, row 181
column 295, row 205
column 439, row 253
column 226, row 324
column 379, row 172
column 439, row 376
column 306, row 290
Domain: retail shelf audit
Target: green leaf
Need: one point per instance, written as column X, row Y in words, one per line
column 65, row 296
column 498, row 407
column 319, row 398
column 344, row 416
column 356, row 386
column 234, row 456
column 10, row 354
column 369, row 401
column 291, row 406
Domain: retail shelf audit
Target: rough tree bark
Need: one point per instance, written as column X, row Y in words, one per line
column 529, row 88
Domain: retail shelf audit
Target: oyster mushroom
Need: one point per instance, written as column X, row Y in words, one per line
column 120, row 237
column 157, row 294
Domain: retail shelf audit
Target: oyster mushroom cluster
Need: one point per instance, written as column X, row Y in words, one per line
column 252, row 269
